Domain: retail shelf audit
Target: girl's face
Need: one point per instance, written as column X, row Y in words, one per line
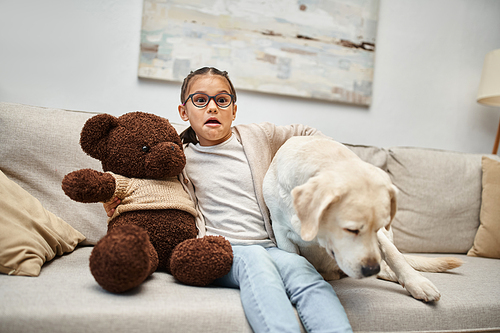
column 211, row 123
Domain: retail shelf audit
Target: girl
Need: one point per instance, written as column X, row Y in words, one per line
column 224, row 173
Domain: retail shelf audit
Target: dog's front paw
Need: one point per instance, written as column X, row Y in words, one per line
column 421, row 288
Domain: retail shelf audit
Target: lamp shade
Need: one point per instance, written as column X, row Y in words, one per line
column 489, row 87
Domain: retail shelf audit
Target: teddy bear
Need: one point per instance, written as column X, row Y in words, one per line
column 154, row 228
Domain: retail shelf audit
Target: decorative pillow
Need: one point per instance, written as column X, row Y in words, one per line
column 29, row 234
column 487, row 240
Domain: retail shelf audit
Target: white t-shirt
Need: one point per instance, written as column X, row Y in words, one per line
column 226, row 196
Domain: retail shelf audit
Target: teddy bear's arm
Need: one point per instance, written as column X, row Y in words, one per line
column 89, row 185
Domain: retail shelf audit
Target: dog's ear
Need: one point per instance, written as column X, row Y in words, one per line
column 311, row 204
column 393, row 193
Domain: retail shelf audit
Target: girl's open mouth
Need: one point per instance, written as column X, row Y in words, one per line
column 212, row 121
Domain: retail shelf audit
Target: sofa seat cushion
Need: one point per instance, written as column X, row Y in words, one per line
column 469, row 301
column 65, row 298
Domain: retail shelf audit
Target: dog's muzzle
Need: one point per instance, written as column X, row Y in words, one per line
column 369, row 270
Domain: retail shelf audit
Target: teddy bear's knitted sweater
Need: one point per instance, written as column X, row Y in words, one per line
column 142, row 194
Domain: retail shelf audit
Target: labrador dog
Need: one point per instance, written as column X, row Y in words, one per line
column 336, row 210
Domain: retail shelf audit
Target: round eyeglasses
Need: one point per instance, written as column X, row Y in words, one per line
column 200, row 100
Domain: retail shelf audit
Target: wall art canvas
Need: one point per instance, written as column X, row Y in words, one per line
column 321, row 49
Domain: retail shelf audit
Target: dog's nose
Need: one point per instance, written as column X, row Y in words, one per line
column 370, row 270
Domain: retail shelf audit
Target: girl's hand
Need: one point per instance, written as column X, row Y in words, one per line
column 111, row 205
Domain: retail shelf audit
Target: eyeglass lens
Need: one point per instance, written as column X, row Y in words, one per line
column 201, row 100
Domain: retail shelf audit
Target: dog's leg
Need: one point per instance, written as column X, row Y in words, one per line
column 417, row 285
column 386, row 273
column 281, row 233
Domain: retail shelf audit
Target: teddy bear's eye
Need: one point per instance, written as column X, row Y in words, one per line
column 145, row 148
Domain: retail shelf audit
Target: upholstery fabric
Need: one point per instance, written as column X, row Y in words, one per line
column 38, row 146
column 434, row 215
column 370, row 154
column 487, row 240
column 36, row 152
column 469, row 301
column 29, row 234
column 68, row 300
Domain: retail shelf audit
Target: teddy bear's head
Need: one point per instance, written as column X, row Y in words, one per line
column 136, row 144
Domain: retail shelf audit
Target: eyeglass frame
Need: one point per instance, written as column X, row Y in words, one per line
column 209, row 99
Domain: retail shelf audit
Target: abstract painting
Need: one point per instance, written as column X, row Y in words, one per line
column 321, row 49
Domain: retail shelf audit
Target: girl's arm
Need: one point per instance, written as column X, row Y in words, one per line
column 276, row 136
column 280, row 134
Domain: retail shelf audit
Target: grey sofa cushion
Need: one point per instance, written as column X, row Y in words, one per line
column 65, row 298
column 39, row 146
column 469, row 301
column 439, row 199
column 371, row 154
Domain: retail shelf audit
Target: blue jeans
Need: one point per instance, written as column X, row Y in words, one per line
column 272, row 281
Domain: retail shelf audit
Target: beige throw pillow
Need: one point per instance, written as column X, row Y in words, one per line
column 487, row 240
column 30, row 235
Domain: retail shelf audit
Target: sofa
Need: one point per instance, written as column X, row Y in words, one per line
column 448, row 205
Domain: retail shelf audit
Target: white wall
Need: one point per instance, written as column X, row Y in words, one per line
column 83, row 55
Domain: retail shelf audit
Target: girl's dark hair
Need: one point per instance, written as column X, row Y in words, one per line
column 189, row 135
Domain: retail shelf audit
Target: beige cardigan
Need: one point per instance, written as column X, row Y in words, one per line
column 260, row 143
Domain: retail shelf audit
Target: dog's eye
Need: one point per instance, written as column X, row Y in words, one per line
column 352, row 231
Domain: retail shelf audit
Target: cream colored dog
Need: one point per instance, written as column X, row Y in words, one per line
column 322, row 196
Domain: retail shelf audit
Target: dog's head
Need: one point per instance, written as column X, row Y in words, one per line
column 345, row 215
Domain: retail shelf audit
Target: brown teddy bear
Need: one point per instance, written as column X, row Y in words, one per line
column 154, row 226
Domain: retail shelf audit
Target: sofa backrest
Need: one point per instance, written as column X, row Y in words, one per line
column 38, row 147
column 438, row 201
column 439, row 196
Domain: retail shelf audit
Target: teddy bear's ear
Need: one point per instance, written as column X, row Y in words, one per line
column 95, row 133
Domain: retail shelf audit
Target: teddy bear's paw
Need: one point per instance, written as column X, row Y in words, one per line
column 200, row 261
column 89, row 185
column 123, row 259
